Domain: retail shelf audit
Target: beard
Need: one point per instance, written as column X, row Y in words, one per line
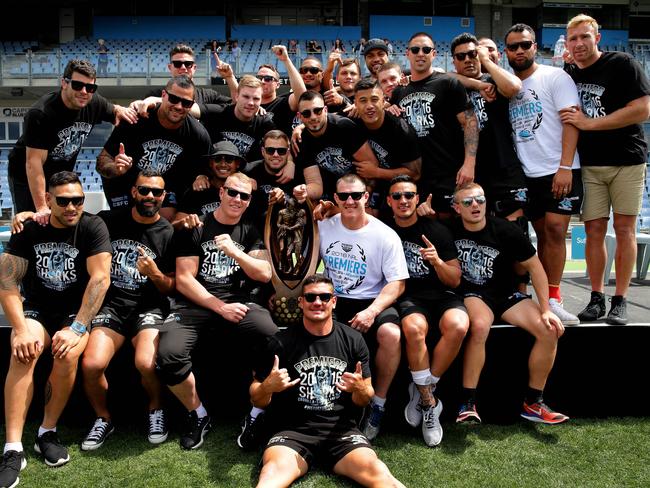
column 147, row 211
column 523, row 66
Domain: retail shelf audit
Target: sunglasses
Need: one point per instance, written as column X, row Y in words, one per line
column 174, row 99
column 309, row 69
column 267, row 78
column 344, row 195
column 233, row 194
column 525, row 45
column 467, row 201
column 145, row 190
column 397, row 195
column 473, row 54
column 417, row 49
column 63, row 202
column 307, row 113
column 178, row 64
column 311, row 297
column 80, row 85
column 280, row 150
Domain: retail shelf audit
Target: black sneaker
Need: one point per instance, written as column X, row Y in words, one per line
column 50, row 447
column 13, row 462
column 98, row 434
column 157, row 426
column 618, row 313
column 251, row 432
column 197, row 428
column 595, row 309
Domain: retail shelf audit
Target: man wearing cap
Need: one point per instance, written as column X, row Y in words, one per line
column 375, row 53
column 168, row 141
column 223, row 161
column 216, row 262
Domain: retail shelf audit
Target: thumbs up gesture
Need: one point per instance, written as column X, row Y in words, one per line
column 278, row 379
column 351, row 382
column 122, row 161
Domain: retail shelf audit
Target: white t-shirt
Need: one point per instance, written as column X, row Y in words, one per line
column 536, row 124
column 361, row 262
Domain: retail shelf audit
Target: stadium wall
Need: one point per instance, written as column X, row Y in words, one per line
column 159, row 27
column 401, row 27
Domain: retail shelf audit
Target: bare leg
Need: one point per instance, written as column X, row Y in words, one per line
column 102, row 345
column 145, row 344
column 282, row 466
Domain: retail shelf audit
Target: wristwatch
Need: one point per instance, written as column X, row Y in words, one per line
column 78, row 328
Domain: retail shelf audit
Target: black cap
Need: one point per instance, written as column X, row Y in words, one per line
column 374, row 44
column 226, row 148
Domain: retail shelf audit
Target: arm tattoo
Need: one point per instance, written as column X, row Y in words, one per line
column 12, row 271
column 471, row 132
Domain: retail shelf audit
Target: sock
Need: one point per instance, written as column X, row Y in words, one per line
column 554, row 292
column 380, row 402
column 13, row 446
column 201, row 411
column 469, row 394
column 534, row 396
column 421, row 377
column 255, row 412
column 42, row 430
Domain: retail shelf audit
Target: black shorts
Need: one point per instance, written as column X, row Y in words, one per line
column 499, row 307
column 442, row 193
column 128, row 322
column 541, row 200
column 433, row 310
column 506, row 190
column 52, row 322
column 327, row 449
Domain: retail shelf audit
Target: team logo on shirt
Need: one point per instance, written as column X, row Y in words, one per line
column 476, row 262
column 346, row 266
column 418, row 112
column 318, row 377
column 124, row 264
column 414, row 261
column 526, row 114
column 70, row 140
column 332, row 160
column 244, row 142
column 55, row 264
column 159, row 155
column 217, row 267
column 590, row 99
column 478, row 102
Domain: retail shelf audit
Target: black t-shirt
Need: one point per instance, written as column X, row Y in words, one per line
column 200, row 202
column 487, row 256
column 332, row 152
column 423, row 282
column 223, row 125
column 604, row 87
column 52, row 126
column 57, row 276
column 219, row 274
column 128, row 286
column 431, row 107
column 319, row 361
column 177, row 154
column 281, row 113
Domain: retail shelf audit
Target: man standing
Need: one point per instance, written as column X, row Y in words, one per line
column 64, row 270
column 54, row 131
column 215, row 262
column 615, row 100
column 437, row 107
column 364, row 259
column 487, row 249
column 313, row 378
column 136, row 304
column 427, row 301
column 168, row 142
column 547, row 149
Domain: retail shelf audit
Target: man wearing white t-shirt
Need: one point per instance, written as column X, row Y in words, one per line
column 364, row 259
column 547, row 150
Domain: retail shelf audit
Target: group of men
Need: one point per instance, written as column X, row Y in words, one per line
column 424, row 186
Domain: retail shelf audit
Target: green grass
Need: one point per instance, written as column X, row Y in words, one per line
column 582, row 453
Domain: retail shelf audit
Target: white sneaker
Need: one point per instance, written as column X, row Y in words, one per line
column 413, row 409
column 558, row 309
column 431, row 428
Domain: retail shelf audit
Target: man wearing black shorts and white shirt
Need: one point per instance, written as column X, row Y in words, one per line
column 313, row 378
column 615, row 100
column 487, row 249
column 214, row 262
column 55, row 128
column 437, row 107
column 547, row 150
column 427, row 302
column 364, row 259
column 64, row 269
column 498, row 168
column 331, row 146
column 168, row 141
column 135, row 306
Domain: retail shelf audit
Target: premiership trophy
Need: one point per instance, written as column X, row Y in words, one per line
column 291, row 236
